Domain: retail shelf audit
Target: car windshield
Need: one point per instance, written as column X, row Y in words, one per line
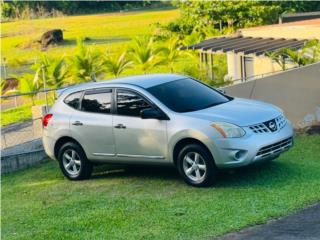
column 187, row 95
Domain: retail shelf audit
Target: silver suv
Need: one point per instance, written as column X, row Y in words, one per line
column 161, row 119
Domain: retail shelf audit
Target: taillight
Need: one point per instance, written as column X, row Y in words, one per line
column 46, row 119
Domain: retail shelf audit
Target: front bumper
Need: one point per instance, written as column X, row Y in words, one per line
column 251, row 148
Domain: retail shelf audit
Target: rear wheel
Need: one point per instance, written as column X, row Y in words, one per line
column 197, row 166
column 73, row 162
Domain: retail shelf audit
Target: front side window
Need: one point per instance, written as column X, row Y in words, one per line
column 187, row 95
column 130, row 104
column 73, row 100
column 97, row 102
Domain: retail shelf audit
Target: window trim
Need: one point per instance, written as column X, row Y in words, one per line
column 151, row 103
column 97, row 91
column 93, row 90
column 80, row 99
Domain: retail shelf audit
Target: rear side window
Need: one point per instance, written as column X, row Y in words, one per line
column 73, row 100
column 97, row 102
column 130, row 103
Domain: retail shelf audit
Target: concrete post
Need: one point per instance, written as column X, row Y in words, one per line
column 38, row 113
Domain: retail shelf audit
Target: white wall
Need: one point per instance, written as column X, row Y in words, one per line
column 296, row 91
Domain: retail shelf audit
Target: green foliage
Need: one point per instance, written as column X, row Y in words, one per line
column 279, row 57
column 116, row 64
column 309, row 53
column 198, row 15
column 22, row 9
column 54, row 70
column 170, row 53
column 28, row 84
column 144, row 53
column 14, row 115
column 86, row 64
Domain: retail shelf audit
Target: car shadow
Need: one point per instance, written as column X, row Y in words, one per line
column 139, row 171
column 260, row 175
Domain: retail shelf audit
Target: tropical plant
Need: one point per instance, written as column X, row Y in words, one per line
column 116, row 64
column 144, row 53
column 86, row 64
column 54, row 71
column 309, row 53
column 312, row 50
column 170, row 52
column 193, row 38
column 27, row 84
column 279, row 57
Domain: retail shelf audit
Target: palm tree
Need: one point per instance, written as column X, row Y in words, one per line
column 171, row 53
column 309, row 53
column 279, row 57
column 27, row 84
column 144, row 53
column 86, row 64
column 116, row 64
column 55, row 71
column 312, row 49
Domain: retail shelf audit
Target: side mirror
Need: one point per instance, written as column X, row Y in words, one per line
column 153, row 113
column 221, row 90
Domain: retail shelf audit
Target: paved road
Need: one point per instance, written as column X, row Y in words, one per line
column 304, row 225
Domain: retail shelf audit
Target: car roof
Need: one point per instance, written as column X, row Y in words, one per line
column 143, row 81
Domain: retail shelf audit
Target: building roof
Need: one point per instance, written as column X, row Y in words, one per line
column 306, row 29
column 293, row 17
column 246, row 45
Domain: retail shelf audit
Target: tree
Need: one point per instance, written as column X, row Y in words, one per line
column 170, row 52
column 55, row 71
column 144, row 53
column 197, row 15
column 27, row 84
column 309, row 53
column 86, row 64
column 279, row 57
column 116, row 64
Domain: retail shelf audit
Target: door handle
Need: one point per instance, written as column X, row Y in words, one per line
column 119, row 126
column 77, row 123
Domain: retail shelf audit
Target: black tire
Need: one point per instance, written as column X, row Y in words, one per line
column 83, row 166
column 209, row 174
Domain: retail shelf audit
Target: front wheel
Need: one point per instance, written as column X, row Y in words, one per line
column 197, row 166
column 73, row 162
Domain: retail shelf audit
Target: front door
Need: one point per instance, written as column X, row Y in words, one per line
column 137, row 138
column 92, row 125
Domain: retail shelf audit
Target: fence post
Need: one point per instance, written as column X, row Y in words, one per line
column 44, row 86
column 38, row 112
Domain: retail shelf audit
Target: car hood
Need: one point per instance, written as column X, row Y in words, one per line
column 239, row 111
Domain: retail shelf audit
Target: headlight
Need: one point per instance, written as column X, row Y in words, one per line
column 228, row 130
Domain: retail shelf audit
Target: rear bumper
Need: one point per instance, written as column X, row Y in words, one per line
column 48, row 144
column 252, row 148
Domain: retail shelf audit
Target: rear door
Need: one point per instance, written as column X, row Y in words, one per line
column 92, row 125
column 136, row 138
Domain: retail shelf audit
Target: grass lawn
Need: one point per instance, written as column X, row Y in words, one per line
column 105, row 31
column 18, row 114
column 154, row 203
column 21, row 113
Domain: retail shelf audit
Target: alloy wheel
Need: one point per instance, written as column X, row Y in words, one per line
column 194, row 166
column 71, row 162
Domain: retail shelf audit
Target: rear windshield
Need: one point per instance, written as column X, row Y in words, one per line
column 187, row 95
